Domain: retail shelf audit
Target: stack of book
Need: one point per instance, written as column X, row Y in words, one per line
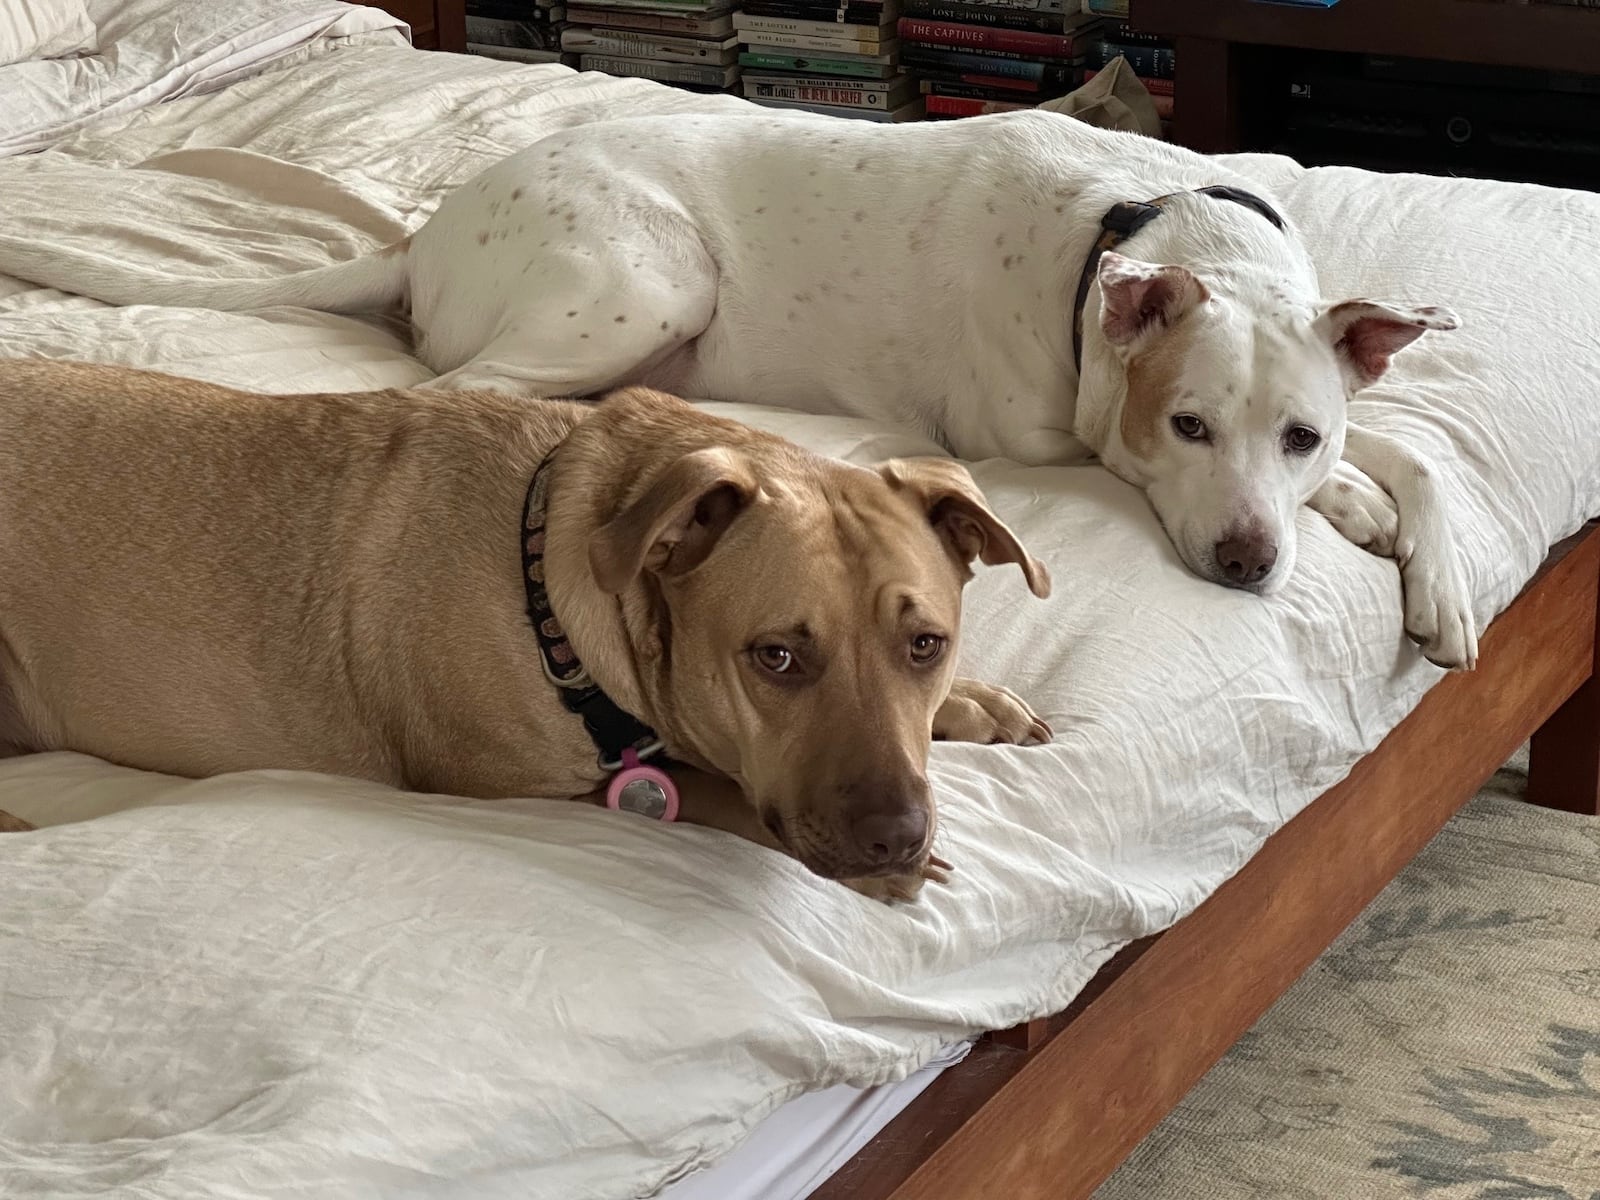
column 689, row 43
column 837, row 57
column 1152, row 58
column 517, row 30
column 984, row 56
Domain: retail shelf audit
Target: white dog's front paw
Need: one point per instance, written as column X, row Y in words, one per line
column 1363, row 513
column 989, row 715
column 1439, row 611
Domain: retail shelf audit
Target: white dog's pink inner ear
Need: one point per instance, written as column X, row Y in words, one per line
column 1135, row 296
column 1368, row 335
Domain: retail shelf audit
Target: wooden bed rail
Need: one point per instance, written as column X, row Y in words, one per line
column 1047, row 1111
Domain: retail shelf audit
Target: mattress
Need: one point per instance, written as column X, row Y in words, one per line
column 275, row 984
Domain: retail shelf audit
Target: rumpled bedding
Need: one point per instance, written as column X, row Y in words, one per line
column 285, row 985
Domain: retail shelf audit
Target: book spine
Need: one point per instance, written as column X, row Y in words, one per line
column 1060, row 64
column 966, row 63
column 659, row 71
column 654, row 22
column 794, row 41
column 784, row 25
column 963, row 106
column 582, row 41
column 1154, row 62
column 823, row 14
column 837, row 97
column 963, row 37
column 972, row 14
column 806, row 62
column 1008, row 89
column 878, row 87
column 1129, row 36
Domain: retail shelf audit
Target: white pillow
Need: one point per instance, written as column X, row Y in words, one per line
column 44, row 29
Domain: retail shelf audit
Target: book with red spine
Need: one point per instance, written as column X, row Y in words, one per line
column 992, row 37
column 967, row 106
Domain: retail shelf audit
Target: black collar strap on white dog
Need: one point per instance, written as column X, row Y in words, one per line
column 1126, row 219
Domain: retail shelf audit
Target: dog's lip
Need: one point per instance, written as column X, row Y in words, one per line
column 1254, row 589
column 827, row 868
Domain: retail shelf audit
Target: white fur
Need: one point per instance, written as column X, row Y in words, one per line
column 922, row 274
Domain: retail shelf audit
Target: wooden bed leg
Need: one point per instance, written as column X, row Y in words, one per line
column 1564, row 760
column 1564, row 757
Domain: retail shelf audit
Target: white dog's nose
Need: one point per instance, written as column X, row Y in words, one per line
column 1245, row 559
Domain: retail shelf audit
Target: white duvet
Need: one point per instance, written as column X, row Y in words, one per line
column 284, row 985
column 154, row 50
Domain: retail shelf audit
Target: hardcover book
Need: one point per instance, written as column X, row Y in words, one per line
column 661, row 72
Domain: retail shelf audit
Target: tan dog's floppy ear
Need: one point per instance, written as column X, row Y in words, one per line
column 1364, row 334
column 675, row 524
column 1135, row 296
column 960, row 514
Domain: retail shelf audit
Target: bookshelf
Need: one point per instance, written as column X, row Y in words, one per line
column 1221, row 45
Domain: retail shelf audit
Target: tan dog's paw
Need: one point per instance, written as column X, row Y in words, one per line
column 988, row 715
column 889, row 888
column 1359, row 509
column 1439, row 615
column 10, row 824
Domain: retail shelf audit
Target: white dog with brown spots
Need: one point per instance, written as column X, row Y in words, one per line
column 924, row 274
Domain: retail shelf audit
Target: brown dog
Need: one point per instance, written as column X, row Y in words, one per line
column 197, row 580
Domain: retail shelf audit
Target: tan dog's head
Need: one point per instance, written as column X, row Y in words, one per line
column 803, row 619
column 1235, row 407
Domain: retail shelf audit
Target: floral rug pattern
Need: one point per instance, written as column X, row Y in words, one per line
column 1447, row 1046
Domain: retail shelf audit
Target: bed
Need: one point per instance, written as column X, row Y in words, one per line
column 274, row 983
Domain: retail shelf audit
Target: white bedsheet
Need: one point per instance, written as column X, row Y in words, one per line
column 277, row 984
column 154, row 50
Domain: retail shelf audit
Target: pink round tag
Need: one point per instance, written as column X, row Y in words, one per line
column 646, row 790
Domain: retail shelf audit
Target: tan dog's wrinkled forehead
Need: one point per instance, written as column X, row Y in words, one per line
column 804, row 614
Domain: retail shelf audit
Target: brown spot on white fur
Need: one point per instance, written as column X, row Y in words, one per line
column 1155, row 375
column 483, row 238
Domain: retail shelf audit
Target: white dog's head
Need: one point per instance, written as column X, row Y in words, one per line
column 1235, row 412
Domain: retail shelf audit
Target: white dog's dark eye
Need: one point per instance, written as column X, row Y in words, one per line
column 1190, row 427
column 926, row 647
column 777, row 659
column 1302, row 439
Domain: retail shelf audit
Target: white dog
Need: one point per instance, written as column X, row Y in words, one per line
column 927, row 274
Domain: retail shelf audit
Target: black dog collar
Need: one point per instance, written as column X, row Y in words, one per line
column 614, row 732
column 1126, row 219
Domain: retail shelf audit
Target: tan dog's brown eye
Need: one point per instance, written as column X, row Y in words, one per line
column 1190, row 427
column 926, row 647
column 1302, row 439
column 777, row 659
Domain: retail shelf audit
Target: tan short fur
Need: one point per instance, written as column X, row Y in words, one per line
column 199, row 580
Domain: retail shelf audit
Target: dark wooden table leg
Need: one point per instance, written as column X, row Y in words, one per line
column 452, row 24
column 1205, row 107
column 1564, row 760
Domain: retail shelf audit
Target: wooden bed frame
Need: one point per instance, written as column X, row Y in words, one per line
column 1047, row 1111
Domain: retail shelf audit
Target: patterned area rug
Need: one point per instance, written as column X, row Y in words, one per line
column 1447, row 1046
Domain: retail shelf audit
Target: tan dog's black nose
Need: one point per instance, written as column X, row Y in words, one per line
column 1246, row 558
column 892, row 835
